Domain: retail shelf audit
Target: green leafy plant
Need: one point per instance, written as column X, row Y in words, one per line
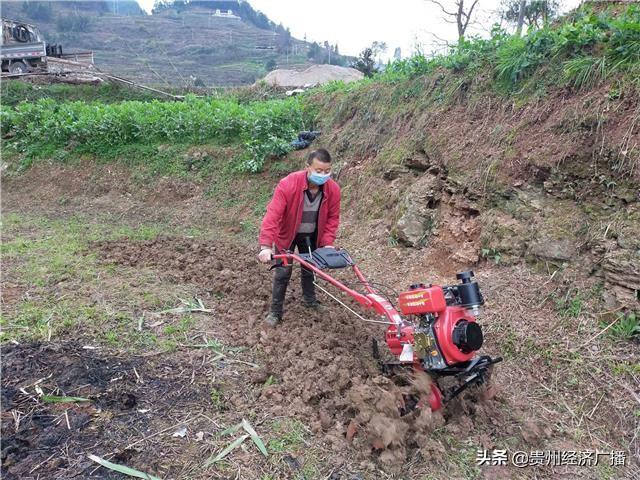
column 585, row 49
column 570, row 306
column 262, row 128
column 492, row 253
column 627, row 326
column 131, row 472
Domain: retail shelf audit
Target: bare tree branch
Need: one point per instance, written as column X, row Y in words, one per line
column 468, row 15
column 440, row 41
column 461, row 17
column 453, row 14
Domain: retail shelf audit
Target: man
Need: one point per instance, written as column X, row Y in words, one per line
column 304, row 213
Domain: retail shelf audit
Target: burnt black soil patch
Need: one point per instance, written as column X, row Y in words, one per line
column 128, row 400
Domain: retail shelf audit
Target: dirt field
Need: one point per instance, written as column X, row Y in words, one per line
column 87, row 273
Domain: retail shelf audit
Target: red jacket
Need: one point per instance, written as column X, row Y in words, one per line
column 284, row 212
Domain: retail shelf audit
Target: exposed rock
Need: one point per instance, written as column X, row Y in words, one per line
column 395, row 172
column 622, row 276
column 628, row 195
column 423, row 161
column 418, row 161
column 628, row 240
column 419, row 212
column 503, row 236
column 557, row 250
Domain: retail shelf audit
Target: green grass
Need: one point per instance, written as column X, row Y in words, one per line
column 51, row 260
column 571, row 306
column 580, row 50
column 289, row 435
column 183, row 326
column 460, row 456
column 586, row 72
column 217, row 398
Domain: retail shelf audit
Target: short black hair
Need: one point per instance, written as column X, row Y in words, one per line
column 321, row 154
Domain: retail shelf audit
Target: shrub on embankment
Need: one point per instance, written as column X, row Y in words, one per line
column 579, row 51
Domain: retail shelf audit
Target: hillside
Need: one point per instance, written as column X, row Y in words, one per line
column 517, row 158
column 168, row 48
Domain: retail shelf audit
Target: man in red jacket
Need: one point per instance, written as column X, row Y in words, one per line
column 304, row 212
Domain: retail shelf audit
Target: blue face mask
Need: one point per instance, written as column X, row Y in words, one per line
column 319, row 178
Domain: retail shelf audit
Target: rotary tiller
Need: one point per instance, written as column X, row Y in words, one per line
column 435, row 332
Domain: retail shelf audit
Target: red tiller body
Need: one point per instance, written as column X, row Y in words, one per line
column 422, row 300
column 436, row 336
column 447, row 321
column 419, row 301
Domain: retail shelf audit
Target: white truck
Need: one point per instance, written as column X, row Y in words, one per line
column 23, row 49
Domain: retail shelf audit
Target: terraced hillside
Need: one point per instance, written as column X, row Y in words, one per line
column 171, row 47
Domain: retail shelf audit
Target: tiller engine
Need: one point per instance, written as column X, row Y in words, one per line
column 435, row 332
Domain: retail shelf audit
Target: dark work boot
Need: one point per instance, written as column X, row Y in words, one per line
column 273, row 319
column 315, row 306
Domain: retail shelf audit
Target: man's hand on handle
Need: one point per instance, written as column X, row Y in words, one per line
column 265, row 255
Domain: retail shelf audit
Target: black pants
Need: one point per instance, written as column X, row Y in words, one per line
column 283, row 275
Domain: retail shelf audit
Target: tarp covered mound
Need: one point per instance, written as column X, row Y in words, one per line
column 314, row 75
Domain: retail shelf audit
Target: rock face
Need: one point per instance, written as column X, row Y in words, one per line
column 419, row 212
column 560, row 250
column 622, row 277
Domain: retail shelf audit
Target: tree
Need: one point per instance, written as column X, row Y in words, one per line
column 284, row 39
column 366, row 62
column 180, row 5
column 521, row 8
column 160, row 5
column 458, row 13
column 378, row 47
column 533, row 13
column 314, row 51
column 327, row 49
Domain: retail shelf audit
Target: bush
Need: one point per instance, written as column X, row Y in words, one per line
column 627, row 326
column 262, row 128
column 586, row 49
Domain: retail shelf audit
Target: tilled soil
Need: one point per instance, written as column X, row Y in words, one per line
column 319, row 368
column 323, row 363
